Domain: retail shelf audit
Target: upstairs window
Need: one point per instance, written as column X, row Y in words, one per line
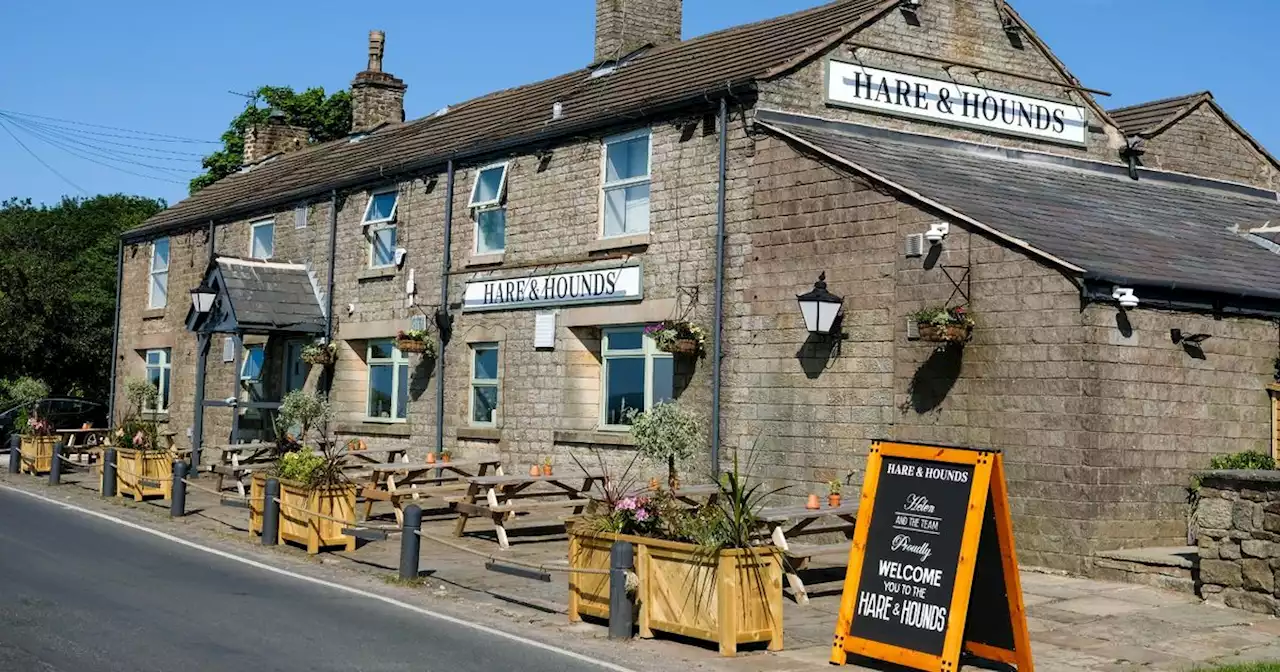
column 380, row 217
column 490, row 215
column 158, row 288
column 626, row 184
column 262, row 240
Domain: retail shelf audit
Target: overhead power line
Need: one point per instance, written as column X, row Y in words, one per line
column 97, row 137
column 158, row 137
column 111, row 162
column 145, row 152
column 41, row 161
column 69, row 146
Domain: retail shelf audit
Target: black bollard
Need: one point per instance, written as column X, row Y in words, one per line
column 410, row 542
column 621, row 609
column 178, row 500
column 271, row 513
column 55, row 465
column 15, row 454
column 109, row 473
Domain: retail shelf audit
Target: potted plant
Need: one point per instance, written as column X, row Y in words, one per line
column 315, row 493
column 678, row 337
column 320, row 354
column 702, row 572
column 546, row 466
column 37, row 444
column 446, row 455
column 833, row 493
column 143, row 467
column 416, row 340
column 667, row 433
column 944, row 325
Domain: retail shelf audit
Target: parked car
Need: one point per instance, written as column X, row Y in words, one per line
column 62, row 412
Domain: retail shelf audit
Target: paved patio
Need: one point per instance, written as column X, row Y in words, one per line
column 1076, row 624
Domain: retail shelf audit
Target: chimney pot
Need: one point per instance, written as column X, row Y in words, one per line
column 377, row 46
column 622, row 26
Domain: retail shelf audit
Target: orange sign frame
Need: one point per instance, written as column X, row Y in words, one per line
column 988, row 478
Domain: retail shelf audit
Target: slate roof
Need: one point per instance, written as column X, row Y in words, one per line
column 1165, row 230
column 270, row 296
column 1147, row 118
column 660, row 78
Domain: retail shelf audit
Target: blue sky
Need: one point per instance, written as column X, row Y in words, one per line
column 167, row 67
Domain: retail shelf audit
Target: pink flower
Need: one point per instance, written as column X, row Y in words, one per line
column 627, row 504
column 642, row 515
column 139, row 438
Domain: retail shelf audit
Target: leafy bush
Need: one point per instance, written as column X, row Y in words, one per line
column 1249, row 459
column 942, row 316
column 670, row 433
column 303, row 412
column 134, row 431
column 22, row 390
column 302, row 466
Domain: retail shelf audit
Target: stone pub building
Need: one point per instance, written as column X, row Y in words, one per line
column 1121, row 265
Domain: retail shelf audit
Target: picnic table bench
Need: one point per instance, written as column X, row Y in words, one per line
column 787, row 522
column 241, row 460
column 394, row 482
column 502, row 498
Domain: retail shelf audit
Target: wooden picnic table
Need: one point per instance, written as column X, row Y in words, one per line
column 787, row 522
column 393, row 482
column 503, row 497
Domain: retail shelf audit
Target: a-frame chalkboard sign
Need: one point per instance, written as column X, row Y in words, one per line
column 932, row 571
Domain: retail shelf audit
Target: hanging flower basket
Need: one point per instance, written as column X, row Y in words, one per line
column 944, row 325
column 678, row 337
column 320, row 354
column 417, row 341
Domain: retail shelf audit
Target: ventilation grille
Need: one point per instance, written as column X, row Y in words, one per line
column 913, row 329
column 418, row 322
column 913, row 245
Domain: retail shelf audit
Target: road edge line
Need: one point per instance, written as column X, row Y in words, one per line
column 321, row 582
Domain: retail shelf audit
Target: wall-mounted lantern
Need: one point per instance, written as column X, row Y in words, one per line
column 202, row 298
column 819, row 307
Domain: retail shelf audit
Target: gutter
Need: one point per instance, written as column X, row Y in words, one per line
column 442, row 315
column 115, row 333
column 381, row 174
column 718, row 333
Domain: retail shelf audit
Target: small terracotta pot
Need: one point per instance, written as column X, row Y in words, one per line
column 446, row 458
column 813, row 503
column 833, row 501
column 653, row 483
column 546, row 470
column 431, row 458
column 534, row 471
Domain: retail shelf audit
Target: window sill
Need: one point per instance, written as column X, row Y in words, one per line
column 493, row 259
column 377, row 273
column 374, row 428
column 480, row 433
column 153, row 313
column 618, row 242
column 599, row 438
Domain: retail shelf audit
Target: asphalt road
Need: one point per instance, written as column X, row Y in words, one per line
column 80, row 594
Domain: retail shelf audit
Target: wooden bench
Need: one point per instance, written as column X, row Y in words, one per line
column 787, row 522
column 505, row 497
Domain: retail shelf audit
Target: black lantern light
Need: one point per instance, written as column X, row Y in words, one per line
column 202, row 298
column 819, row 307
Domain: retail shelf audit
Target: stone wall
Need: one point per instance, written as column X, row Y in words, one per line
column 1203, row 143
column 1239, row 520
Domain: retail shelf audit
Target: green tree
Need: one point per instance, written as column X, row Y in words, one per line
column 326, row 117
column 58, row 288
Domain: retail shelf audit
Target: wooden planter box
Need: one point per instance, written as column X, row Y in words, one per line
column 144, row 473
column 950, row 333
column 299, row 526
column 731, row 598
column 37, row 454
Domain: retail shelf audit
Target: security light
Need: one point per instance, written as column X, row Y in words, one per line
column 1126, row 297
column 937, row 231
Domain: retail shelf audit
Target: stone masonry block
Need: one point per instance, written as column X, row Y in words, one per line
column 1214, row 513
column 1229, row 550
column 1221, row 572
column 1245, row 515
column 1250, row 601
column 1256, row 575
column 1255, row 548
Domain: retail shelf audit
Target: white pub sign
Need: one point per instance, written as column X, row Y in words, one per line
column 595, row 286
column 900, row 94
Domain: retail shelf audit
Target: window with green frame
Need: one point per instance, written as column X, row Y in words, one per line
column 635, row 375
column 388, row 381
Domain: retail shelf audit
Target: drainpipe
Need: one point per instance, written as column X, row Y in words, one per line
column 203, row 338
column 115, row 332
column 328, row 292
column 718, row 333
column 445, row 263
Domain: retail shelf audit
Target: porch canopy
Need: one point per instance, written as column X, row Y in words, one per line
column 251, row 297
column 259, row 297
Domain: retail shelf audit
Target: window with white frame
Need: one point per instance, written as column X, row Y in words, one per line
column 262, row 239
column 490, row 215
column 388, row 381
column 158, row 288
column 626, row 184
column 636, row 375
column 159, row 367
column 300, row 215
column 380, row 217
column 484, row 384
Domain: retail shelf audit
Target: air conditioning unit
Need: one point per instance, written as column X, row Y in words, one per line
column 913, row 246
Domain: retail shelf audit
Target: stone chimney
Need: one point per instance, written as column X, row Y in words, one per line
column 376, row 97
column 622, row 26
column 263, row 140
